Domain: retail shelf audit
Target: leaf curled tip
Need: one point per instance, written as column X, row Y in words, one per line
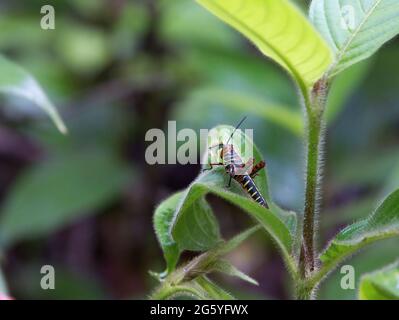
column 14, row 80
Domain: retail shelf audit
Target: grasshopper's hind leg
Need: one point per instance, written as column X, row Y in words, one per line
column 259, row 166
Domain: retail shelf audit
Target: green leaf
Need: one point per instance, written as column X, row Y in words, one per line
column 202, row 288
column 190, row 279
column 16, row 81
column 162, row 223
column 212, row 261
column 198, row 229
column 59, row 191
column 212, row 290
column 381, row 285
column 372, row 258
column 226, row 267
column 199, row 232
column 280, row 32
column 382, row 224
column 355, row 29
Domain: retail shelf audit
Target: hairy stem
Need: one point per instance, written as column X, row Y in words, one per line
column 303, row 291
column 315, row 105
column 311, row 195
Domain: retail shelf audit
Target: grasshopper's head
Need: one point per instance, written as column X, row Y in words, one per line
column 221, row 147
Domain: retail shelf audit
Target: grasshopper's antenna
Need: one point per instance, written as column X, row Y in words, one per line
column 236, row 128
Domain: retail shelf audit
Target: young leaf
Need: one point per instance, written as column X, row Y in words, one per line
column 212, row 290
column 162, row 218
column 381, row 285
column 201, row 288
column 16, row 81
column 280, row 32
column 200, row 232
column 355, row 29
column 382, row 224
column 191, row 278
column 226, row 267
column 211, row 260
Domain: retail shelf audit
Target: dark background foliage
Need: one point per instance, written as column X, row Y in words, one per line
column 84, row 202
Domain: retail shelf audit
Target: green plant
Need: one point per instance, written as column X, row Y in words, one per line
column 381, row 284
column 313, row 52
column 15, row 81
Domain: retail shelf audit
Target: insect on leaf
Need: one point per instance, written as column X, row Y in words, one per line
column 214, row 182
column 355, row 29
column 281, row 32
column 246, row 148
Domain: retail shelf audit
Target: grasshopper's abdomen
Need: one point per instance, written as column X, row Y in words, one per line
column 231, row 158
column 249, row 185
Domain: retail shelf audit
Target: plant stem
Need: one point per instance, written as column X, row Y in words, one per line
column 315, row 105
column 303, row 291
column 311, row 195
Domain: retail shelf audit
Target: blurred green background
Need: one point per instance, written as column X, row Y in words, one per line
column 116, row 68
